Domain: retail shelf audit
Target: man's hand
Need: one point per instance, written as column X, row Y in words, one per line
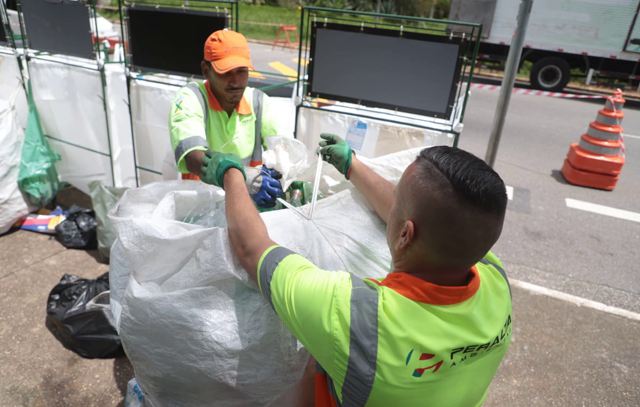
column 214, row 165
column 336, row 151
column 266, row 187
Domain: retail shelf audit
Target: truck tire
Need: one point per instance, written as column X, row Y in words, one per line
column 550, row 73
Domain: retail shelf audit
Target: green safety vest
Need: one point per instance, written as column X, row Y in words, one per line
column 195, row 125
column 385, row 345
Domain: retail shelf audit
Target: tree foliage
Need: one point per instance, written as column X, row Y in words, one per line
column 422, row 8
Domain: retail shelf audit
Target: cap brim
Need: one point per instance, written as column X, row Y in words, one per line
column 229, row 63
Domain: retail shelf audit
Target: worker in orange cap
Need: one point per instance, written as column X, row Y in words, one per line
column 223, row 115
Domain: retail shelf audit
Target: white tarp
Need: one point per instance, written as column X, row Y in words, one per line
column 69, row 99
column 69, row 102
column 120, row 126
column 369, row 137
column 150, row 104
column 68, row 94
column 13, row 116
column 195, row 329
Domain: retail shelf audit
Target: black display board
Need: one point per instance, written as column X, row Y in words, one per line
column 409, row 72
column 170, row 39
column 58, row 27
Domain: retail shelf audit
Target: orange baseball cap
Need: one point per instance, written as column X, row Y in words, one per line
column 227, row 50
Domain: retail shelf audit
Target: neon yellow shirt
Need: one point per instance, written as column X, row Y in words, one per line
column 395, row 341
column 223, row 133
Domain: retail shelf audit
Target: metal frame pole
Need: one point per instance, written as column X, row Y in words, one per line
column 510, row 71
column 127, row 75
column 103, row 83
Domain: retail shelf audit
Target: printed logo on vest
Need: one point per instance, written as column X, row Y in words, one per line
column 178, row 103
column 463, row 354
column 434, row 365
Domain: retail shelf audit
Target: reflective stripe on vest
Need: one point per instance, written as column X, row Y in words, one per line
column 500, row 270
column 268, row 267
column 187, row 144
column 193, row 87
column 363, row 331
column 363, row 344
column 256, row 157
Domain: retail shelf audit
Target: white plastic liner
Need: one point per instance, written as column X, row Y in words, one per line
column 150, row 104
column 195, row 329
column 69, row 102
column 120, row 126
column 380, row 137
column 13, row 117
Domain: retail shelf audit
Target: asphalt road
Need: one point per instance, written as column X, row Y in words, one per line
column 545, row 242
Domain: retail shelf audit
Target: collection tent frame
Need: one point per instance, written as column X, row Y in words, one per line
column 9, row 39
column 465, row 35
column 92, row 63
column 159, row 75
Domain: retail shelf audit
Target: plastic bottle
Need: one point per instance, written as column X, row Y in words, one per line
column 296, row 197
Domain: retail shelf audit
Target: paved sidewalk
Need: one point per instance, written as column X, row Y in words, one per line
column 36, row 369
column 561, row 355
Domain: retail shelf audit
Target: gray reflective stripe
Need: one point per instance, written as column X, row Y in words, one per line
column 604, row 135
column 500, row 270
column 363, row 344
column 611, row 121
column 256, row 156
column 195, row 88
column 604, row 150
column 268, row 266
column 613, row 106
column 187, row 144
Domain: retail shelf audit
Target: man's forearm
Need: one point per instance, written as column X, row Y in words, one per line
column 247, row 232
column 194, row 162
column 377, row 190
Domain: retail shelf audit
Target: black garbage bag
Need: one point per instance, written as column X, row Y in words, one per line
column 79, row 316
column 78, row 230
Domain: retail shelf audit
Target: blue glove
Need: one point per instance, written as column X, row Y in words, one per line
column 266, row 188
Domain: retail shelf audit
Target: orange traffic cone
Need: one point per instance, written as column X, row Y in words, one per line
column 597, row 159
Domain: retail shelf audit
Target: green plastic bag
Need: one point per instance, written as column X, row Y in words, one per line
column 37, row 178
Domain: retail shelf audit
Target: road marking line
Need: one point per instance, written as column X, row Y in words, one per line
column 257, row 75
column 509, row 192
column 603, row 210
column 579, row 301
column 630, row 135
column 304, row 61
column 283, row 69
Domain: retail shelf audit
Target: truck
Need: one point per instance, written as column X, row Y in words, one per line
column 599, row 37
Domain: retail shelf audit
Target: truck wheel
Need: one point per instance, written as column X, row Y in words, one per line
column 550, row 73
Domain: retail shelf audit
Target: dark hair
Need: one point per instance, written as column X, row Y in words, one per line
column 473, row 181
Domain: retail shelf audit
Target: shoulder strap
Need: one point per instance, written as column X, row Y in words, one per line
column 195, row 88
column 256, row 156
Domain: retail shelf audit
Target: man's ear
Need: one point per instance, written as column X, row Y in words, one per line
column 407, row 235
column 204, row 67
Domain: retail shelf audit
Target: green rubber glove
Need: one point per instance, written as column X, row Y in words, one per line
column 215, row 164
column 336, row 151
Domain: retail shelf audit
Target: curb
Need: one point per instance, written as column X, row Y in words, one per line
column 487, row 80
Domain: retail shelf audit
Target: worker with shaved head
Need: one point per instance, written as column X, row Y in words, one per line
column 435, row 329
